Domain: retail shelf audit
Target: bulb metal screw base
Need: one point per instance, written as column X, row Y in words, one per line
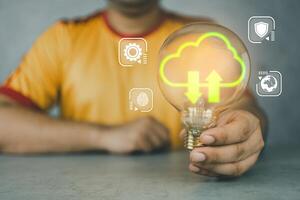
column 192, row 139
column 189, row 142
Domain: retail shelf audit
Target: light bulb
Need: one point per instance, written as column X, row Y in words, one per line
column 203, row 70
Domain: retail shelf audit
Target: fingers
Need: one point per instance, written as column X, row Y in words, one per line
column 143, row 144
column 153, row 135
column 234, row 146
column 228, row 153
column 229, row 169
column 161, row 131
column 201, row 171
column 232, row 128
column 155, row 139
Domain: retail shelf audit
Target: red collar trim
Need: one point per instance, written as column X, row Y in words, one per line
column 112, row 29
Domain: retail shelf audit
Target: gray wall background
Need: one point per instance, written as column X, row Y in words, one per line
column 21, row 21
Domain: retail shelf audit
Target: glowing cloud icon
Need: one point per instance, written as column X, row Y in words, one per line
column 213, row 81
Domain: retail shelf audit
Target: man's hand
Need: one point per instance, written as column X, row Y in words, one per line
column 232, row 147
column 38, row 133
column 145, row 134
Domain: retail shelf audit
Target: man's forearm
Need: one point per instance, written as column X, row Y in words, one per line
column 26, row 131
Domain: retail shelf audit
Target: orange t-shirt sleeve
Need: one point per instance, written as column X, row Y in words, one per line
column 37, row 79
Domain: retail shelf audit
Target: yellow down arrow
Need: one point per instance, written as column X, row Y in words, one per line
column 193, row 93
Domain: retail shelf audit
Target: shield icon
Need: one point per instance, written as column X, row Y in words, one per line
column 261, row 29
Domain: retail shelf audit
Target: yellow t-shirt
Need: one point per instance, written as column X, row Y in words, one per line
column 75, row 63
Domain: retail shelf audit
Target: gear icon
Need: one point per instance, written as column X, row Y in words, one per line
column 133, row 52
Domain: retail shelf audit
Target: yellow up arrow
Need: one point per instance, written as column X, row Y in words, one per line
column 193, row 93
column 214, row 80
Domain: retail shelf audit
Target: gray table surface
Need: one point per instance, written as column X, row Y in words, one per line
column 158, row 176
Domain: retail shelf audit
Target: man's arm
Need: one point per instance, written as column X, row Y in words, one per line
column 26, row 131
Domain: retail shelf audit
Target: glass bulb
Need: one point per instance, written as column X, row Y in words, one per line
column 203, row 70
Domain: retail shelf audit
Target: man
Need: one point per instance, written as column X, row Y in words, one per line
column 75, row 64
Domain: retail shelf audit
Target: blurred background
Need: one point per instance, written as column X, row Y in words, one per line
column 22, row 21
